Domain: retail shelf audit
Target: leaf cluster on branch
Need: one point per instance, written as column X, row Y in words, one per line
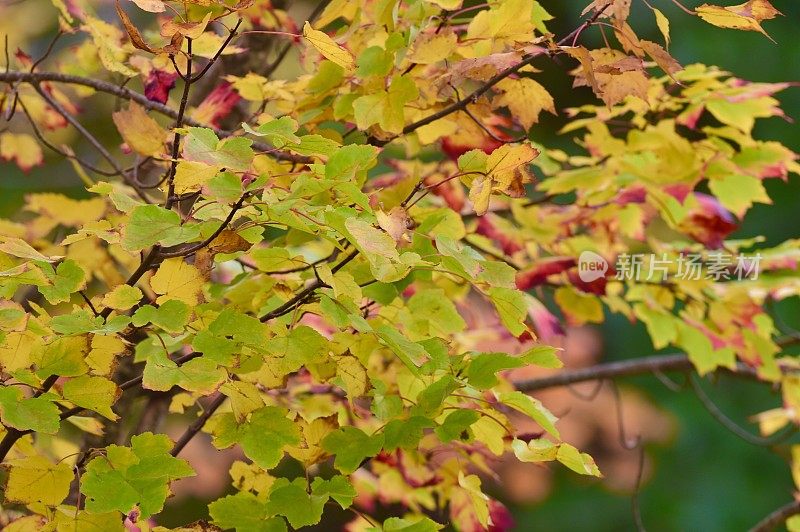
column 343, row 266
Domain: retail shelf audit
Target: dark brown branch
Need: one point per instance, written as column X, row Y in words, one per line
column 777, row 517
column 164, row 254
column 307, row 292
column 90, row 138
column 13, row 435
column 14, row 76
column 222, row 48
column 624, row 368
column 461, row 104
column 176, row 143
column 195, row 428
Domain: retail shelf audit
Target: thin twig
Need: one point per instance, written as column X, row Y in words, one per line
column 89, row 138
column 777, row 517
column 200, row 245
column 176, row 143
column 124, row 93
column 461, row 104
column 197, row 426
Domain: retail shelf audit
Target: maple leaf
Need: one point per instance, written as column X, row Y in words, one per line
column 22, row 149
column 747, row 16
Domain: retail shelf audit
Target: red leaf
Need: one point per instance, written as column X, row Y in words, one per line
column 537, row 275
column 217, row 105
column 158, row 84
column 488, row 228
column 711, row 223
column 500, row 518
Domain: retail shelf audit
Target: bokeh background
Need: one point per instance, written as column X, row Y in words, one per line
column 697, row 475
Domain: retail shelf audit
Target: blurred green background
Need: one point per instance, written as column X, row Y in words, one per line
column 706, row 479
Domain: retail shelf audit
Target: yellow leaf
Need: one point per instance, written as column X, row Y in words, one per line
column 747, row 16
column 447, row 4
column 122, row 297
column 140, row 132
column 104, row 350
column 328, row 48
column 431, row 48
column 15, row 350
column 479, row 194
column 663, row 25
column 510, row 21
column 176, row 279
column 507, row 166
column 67, row 211
column 525, row 98
column 22, row 149
column 190, row 176
column 36, row 479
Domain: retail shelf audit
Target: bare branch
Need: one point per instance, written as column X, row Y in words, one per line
column 777, row 517
column 195, row 428
column 124, row 93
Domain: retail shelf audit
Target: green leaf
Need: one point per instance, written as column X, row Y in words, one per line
column 292, row 501
column 202, row 145
column 139, row 475
column 172, row 315
column 280, row 131
column 63, row 357
column 577, row 461
column 152, row 224
column 82, row 321
column 94, row 393
column 374, row 61
column 265, row 436
column 350, row 161
column 512, row 307
column 351, row 447
column 405, row 433
column 456, row 425
column 197, row 375
column 410, row 353
column 532, row 408
column 244, row 513
column 302, row 345
column 432, row 313
column 337, row 488
column 738, row 192
column 38, row 414
column 411, row 524
column 482, row 369
column 69, row 278
column 432, row 398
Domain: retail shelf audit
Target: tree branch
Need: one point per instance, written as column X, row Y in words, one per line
column 14, row 76
column 624, row 368
column 462, row 103
column 13, row 435
column 197, row 426
column 165, row 254
column 777, row 517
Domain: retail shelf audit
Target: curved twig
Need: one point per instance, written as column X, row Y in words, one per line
column 125, row 93
column 197, row 426
column 777, row 517
column 731, row 425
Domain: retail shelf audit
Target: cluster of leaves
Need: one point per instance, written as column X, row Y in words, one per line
column 302, row 283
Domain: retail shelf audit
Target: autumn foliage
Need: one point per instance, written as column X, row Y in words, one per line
column 331, row 244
